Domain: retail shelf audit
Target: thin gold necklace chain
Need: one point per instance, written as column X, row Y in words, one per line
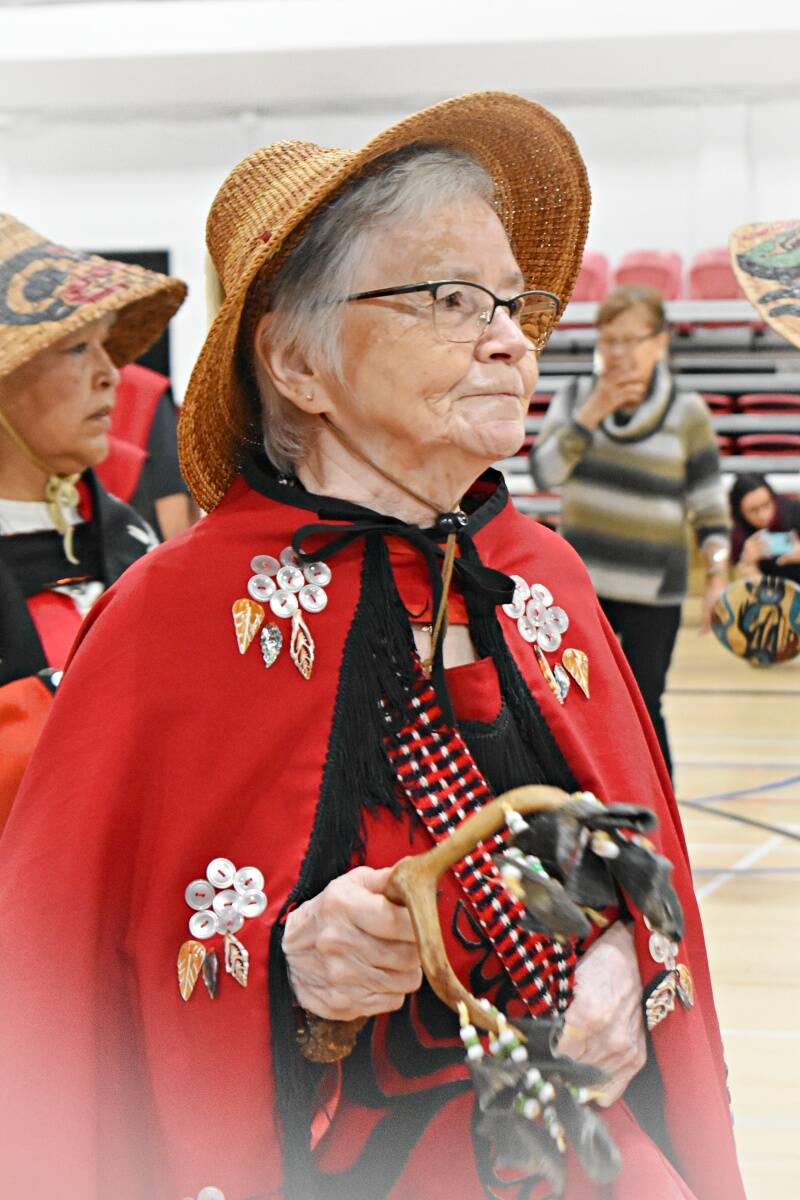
column 439, row 625
column 60, row 492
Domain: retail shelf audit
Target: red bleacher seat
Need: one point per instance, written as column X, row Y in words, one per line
column 593, row 277
column 718, row 403
column 539, row 404
column 710, row 277
column 726, row 444
column 660, row 269
column 768, row 443
column 755, row 403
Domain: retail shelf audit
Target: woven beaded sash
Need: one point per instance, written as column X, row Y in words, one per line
column 441, row 779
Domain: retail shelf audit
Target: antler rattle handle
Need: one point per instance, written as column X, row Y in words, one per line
column 413, row 881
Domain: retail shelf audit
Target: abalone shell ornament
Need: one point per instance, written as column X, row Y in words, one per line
column 271, row 644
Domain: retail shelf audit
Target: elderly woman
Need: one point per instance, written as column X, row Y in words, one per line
column 374, row 353
column 637, row 459
column 67, row 320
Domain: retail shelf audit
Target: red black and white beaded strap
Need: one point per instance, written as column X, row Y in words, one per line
column 437, row 773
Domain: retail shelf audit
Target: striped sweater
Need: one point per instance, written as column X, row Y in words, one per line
column 630, row 492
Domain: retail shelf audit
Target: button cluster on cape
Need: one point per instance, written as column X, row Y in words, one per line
column 542, row 624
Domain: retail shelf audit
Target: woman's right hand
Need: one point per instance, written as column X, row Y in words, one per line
column 351, row 952
column 754, row 549
column 614, row 389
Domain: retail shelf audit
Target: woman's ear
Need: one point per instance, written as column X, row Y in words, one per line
column 289, row 371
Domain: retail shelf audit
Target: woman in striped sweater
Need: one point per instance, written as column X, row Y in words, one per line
column 638, row 462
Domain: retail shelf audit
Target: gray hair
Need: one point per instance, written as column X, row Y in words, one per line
column 304, row 296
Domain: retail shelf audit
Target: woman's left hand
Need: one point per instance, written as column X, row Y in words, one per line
column 715, row 586
column 604, row 1024
column 794, row 554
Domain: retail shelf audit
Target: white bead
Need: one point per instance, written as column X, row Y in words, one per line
column 519, row 1054
column 475, row 1051
column 210, row 1193
column 547, row 1093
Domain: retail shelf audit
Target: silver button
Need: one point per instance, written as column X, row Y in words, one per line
column 313, row 598
column 264, row 564
column 515, row 609
column 261, row 587
column 210, row 1193
column 542, row 593
column 318, row 572
column 290, row 579
column 288, row 557
column 526, row 629
column 251, row 903
column 199, row 894
column 535, row 611
column 203, row 925
column 220, row 872
column 558, row 619
column 247, row 878
column 284, row 604
column 549, row 639
column 231, row 921
column 660, row 948
column 224, row 901
column 522, row 590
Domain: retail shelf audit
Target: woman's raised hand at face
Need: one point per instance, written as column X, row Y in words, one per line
column 351, row 952
column 618, row 387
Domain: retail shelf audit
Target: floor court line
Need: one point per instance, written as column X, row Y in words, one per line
column 774, row 786
column 746, row 860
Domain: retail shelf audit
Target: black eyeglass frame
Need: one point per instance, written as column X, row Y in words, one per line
column 431, row 286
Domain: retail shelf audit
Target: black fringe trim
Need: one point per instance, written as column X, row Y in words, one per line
column 376, row 662
column 545, row 762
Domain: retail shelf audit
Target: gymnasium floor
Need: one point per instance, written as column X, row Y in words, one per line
column 735, row 734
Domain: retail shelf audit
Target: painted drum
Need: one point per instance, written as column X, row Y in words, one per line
column 759, row 620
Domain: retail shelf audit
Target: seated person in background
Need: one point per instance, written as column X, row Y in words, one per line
column 758, row 514
column 142, row 465
column 66, row 321
column 639, row 466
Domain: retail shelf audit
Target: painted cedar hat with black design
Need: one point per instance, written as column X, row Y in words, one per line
column 262, row 209
column 766, row 260
column 48, row 292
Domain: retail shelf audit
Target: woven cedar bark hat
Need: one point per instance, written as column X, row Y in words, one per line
column 259, row 213
column 766, row 260
column 48, row 292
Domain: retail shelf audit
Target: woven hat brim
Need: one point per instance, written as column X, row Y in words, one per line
column 766, row 261
column 543, row 200
column 143, row 310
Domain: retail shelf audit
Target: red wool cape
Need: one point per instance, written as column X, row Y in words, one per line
column 167, row 748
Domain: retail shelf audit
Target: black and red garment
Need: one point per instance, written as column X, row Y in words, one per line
column 43, row 600
column 168, row 748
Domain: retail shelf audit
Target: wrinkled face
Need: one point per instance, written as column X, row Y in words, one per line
column 407, row 394
column 758, row 508
column 61, row 401
column 627, row 345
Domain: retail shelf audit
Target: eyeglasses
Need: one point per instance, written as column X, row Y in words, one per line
column 462, row 312
column 624, row 345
